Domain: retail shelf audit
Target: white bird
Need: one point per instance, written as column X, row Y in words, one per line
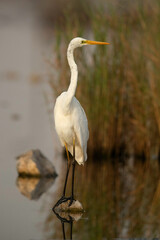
column 70, row 119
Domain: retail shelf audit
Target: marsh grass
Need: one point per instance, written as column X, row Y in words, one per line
column 119, row 84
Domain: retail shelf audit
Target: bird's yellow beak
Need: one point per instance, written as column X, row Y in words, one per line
column 96, row 43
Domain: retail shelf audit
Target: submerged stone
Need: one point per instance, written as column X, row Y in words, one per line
column 34, row 187
column 34, row 163
column 69, row 216
column 76, row 207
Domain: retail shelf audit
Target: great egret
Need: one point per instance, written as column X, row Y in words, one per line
column 70, row 119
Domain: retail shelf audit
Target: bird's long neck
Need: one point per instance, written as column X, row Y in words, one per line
column 74, row 73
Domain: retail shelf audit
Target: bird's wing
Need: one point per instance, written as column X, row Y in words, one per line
column 80, row 126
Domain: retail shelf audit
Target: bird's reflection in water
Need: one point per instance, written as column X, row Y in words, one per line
column 67, row 218
column 33, row 187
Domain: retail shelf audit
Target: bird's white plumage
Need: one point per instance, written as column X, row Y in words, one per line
column 70, row 118
column 71, row 123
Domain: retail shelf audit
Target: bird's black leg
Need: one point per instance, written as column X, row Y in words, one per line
column 68, row 168
column 63, row 230
column 73, row 171
column 71, row 225
column 63, row 198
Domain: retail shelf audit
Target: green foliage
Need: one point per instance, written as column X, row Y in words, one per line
column 119, row 84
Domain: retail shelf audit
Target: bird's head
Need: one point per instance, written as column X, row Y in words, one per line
column 80, row 42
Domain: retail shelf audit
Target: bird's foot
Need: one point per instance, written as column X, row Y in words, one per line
column 71, row 201
column 61, row 200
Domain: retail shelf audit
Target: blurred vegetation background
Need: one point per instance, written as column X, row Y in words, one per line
column 119, row 85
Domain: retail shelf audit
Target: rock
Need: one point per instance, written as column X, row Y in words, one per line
column 76, row 207
column 69, row 216
column 34, row 187
column 35, row 164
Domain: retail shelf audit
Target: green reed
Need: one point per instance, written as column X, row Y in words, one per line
column 119, row 84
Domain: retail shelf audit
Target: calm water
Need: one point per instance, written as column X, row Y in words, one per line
column 119, row 201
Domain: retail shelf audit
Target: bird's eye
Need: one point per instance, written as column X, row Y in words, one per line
column 83, row 42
